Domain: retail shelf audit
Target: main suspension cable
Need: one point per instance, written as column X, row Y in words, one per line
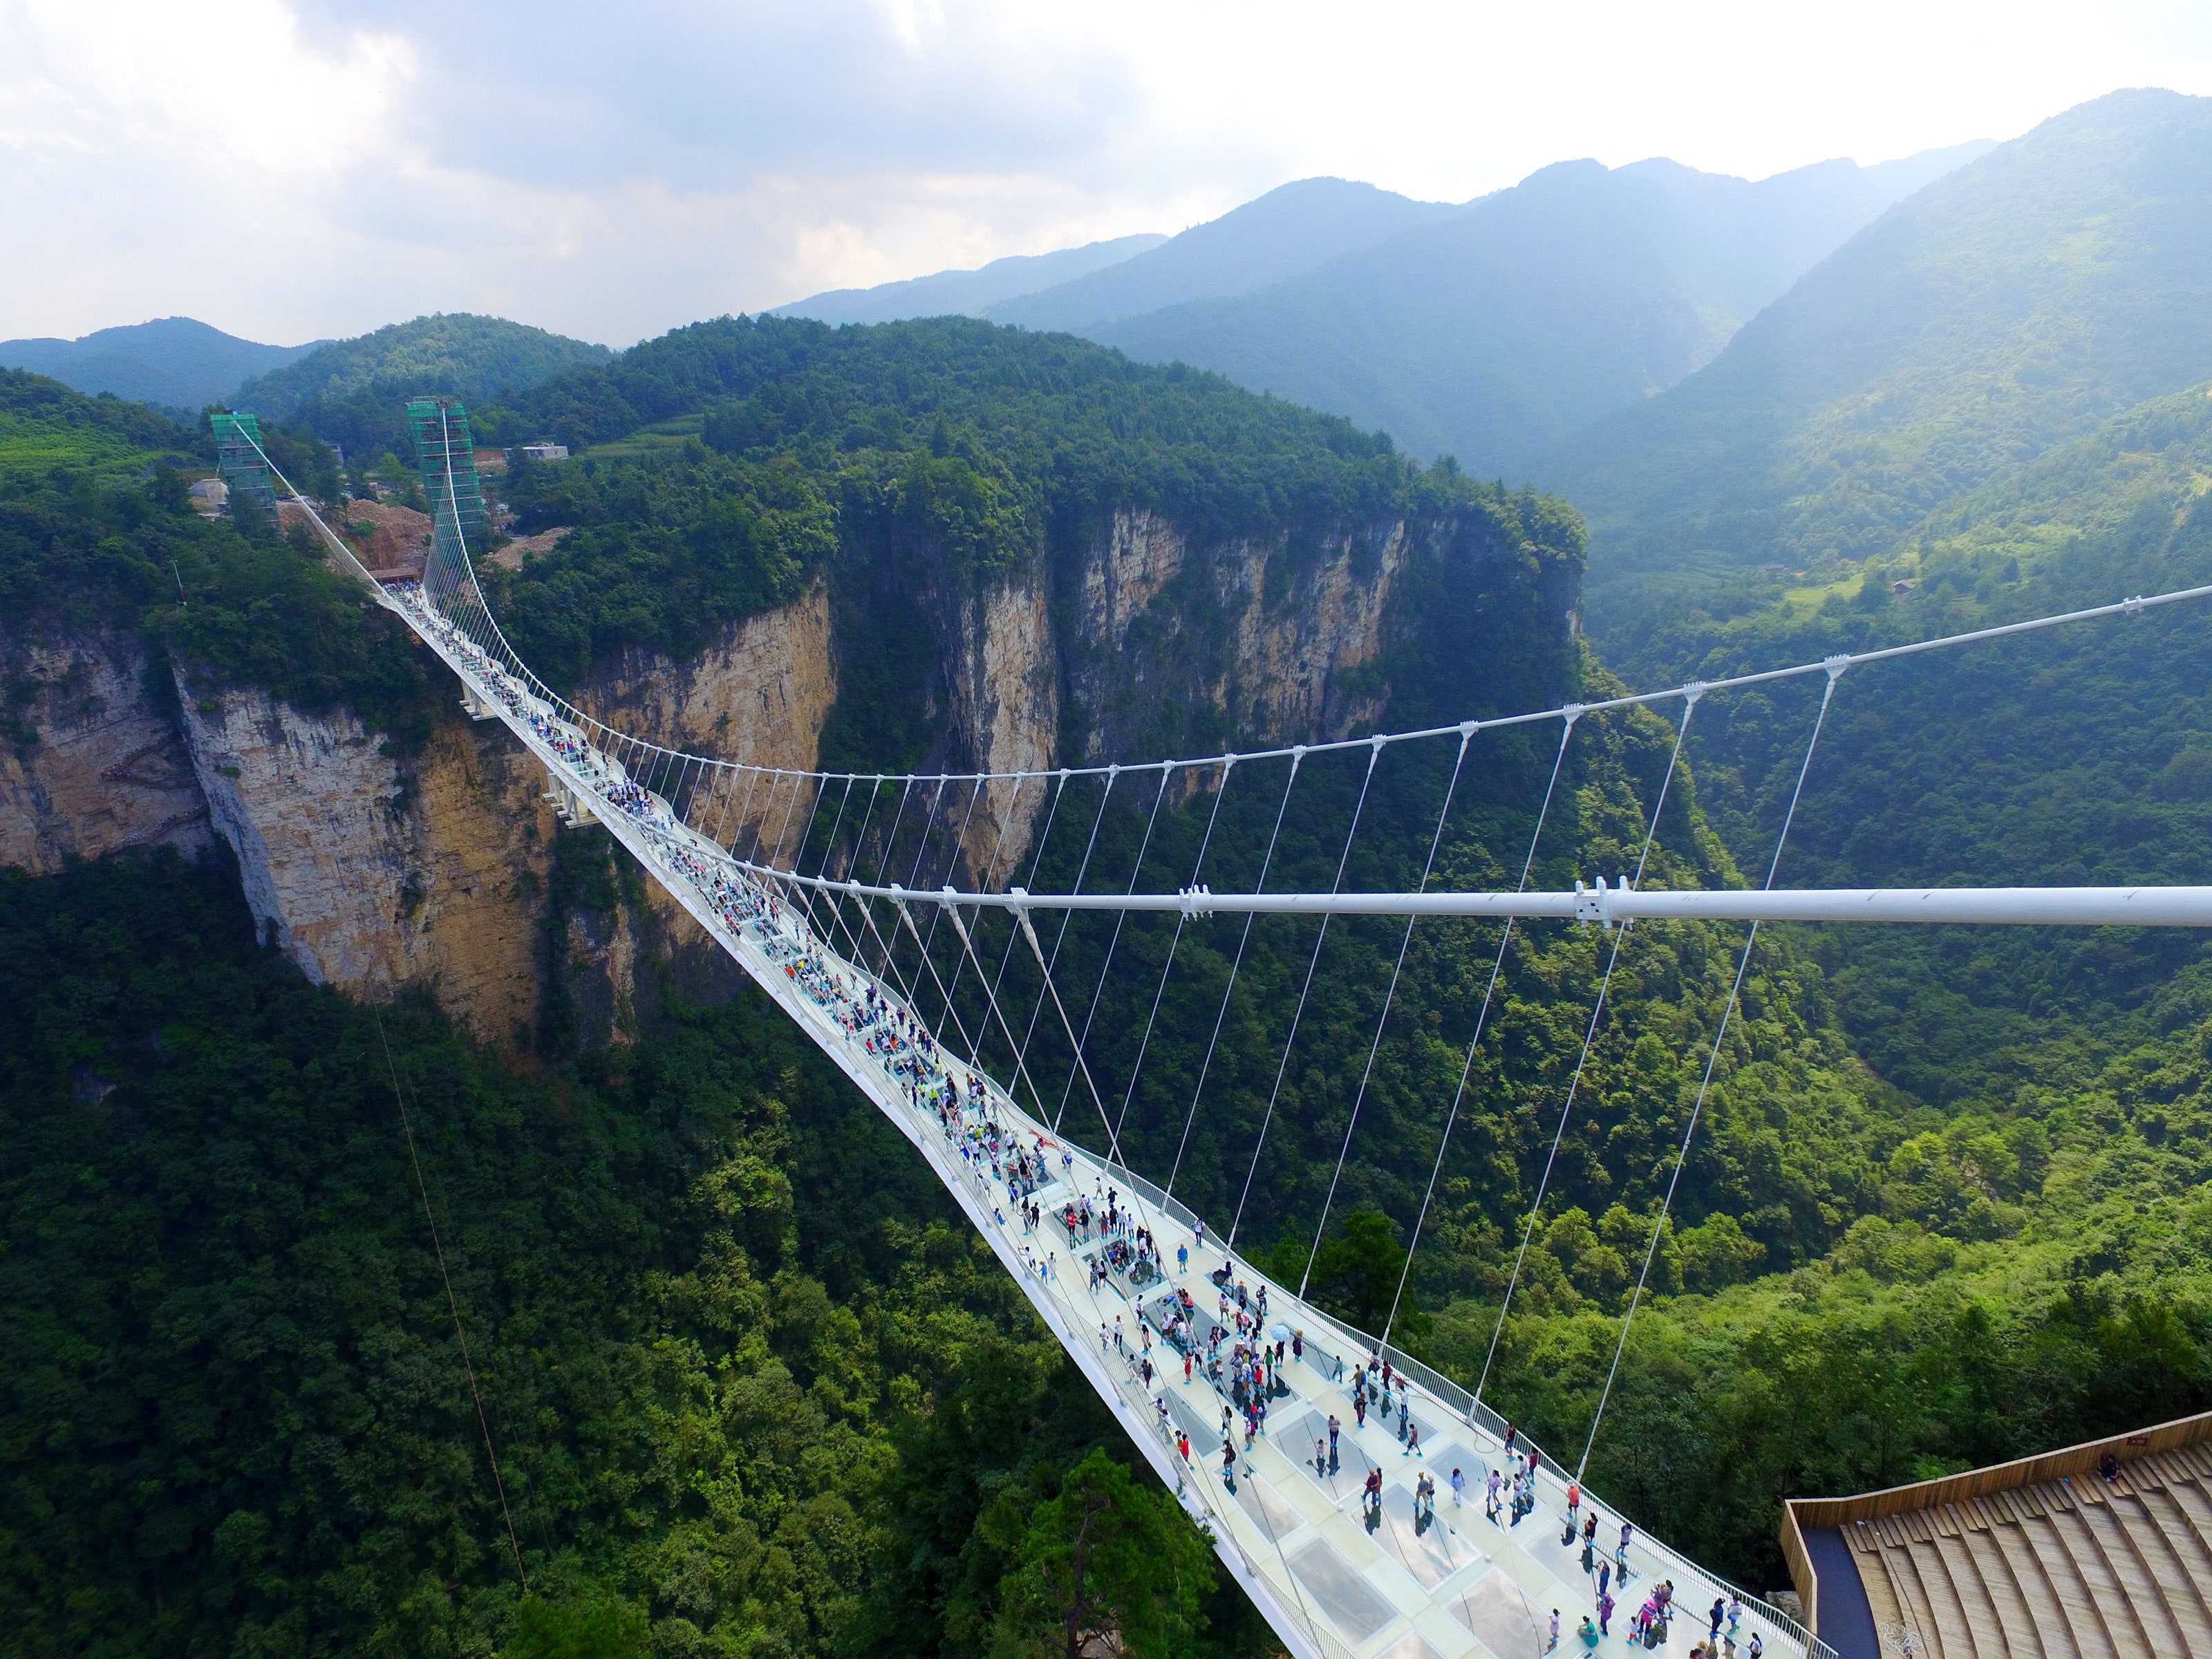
column 1705, row 1083
column 453, row 1306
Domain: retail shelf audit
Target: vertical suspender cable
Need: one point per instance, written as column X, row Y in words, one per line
column 1036, row 862
column 983, row 881
column 1590, row 1037
column 1481, row 1019
column 1712, row 1059
column 1290, row 1039
column 1067, row 918
column 1114, row 939
column 1405, row 943
column 1182, row 920
column 1236, row 963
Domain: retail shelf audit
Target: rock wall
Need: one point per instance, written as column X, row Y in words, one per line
column 376, row 874
column 373, row 876
column 88, row 764
column 759, row 693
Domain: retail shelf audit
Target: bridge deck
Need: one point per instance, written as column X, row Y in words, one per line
column 1333, row 1576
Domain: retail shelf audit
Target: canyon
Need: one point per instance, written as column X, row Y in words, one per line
column 377, row 871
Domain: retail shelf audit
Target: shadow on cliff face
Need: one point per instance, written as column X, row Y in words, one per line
column 618, row 952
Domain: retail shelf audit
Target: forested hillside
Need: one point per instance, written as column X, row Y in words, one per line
column 1494, row 333
column 353, row 393
column 2008, row 307
column 174, row 362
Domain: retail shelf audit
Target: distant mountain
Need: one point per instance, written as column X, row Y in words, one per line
column 353, row 393
column 2006, row 308
column 1492, row 332
column 1289, row 230
column 967, row 293
column 174, row 362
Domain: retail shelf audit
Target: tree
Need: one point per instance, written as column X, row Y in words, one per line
column 600, row 1627
column 1105, row 1556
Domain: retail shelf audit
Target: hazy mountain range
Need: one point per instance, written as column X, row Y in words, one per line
column 1488, row 329
column 174, row 361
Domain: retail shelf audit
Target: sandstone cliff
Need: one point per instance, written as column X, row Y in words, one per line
column 92, row 765
column 440, row 869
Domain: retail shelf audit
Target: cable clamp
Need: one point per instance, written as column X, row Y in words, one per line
column 1692, row 691
column 1574, row 711
column 1837, row 664
column 1194, row 902
column 2132, row 606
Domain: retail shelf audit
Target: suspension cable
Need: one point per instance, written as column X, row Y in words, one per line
column 1114, row 939
column 989, row 871
column 959, row 850
column 1482, row 1020
column 1183, row 921
column 1282, row 1069
column 452, row 1305
column 1036, row 862
column 1383, row 1021
column 1705, row 1083
column 1582, row 1061
column 1229, row 990
column 1090, row 846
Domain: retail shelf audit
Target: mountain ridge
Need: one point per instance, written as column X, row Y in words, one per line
column 173, row 362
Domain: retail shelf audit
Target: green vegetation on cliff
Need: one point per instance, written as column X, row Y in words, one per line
column 97, row 532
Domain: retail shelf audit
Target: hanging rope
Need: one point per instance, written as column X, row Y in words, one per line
column 989, row 873
column 1036, row 863
column 1389, row 996
column 1182, row 920
column 1374, row 754
column 1066, row 920
column 1237, row 961
column 1114, row 940
column 453, row 1306
column 1712, row 1059
column 959, row 848
column 1582, row 1062
column 1482, row 1020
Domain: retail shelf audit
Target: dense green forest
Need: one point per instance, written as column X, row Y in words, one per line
column 353, row 393
column 730, row 1408
column 97, row 532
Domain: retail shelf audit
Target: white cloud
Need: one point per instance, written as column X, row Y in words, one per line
column 282, row 170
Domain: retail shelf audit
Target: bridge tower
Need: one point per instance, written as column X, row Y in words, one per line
column 239, row 454
column 446, row 456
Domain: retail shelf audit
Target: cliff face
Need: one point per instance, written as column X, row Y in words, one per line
column 375, row 874
column 88, row 764
column 370, row 877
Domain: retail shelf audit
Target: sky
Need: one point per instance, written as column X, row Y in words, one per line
column 292, row 169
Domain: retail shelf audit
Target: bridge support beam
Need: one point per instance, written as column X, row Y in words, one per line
column 571, row 808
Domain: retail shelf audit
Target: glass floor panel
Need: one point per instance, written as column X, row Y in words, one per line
column 1346, row 1600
